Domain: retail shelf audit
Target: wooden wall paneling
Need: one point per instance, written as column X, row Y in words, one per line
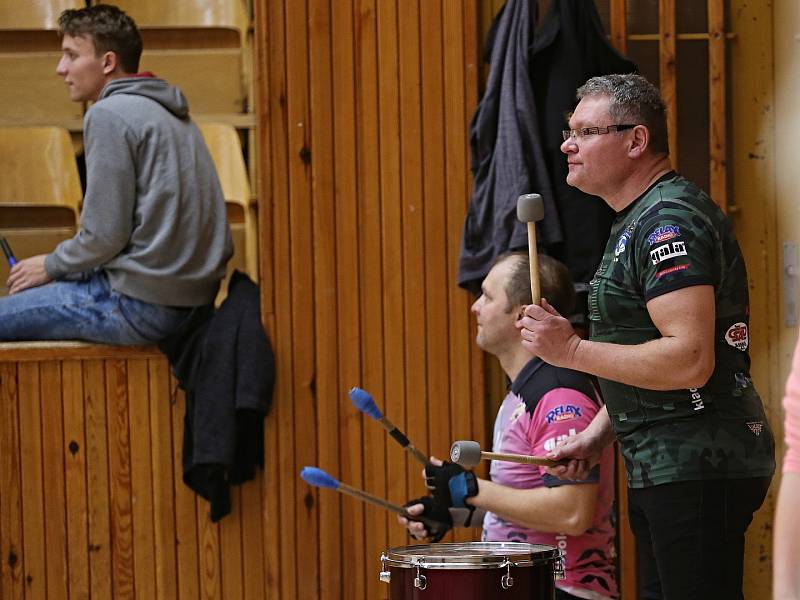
column 252, row 541
column 328, row 394
column 763, row 183
column 30, row 438
column 163, row 496
column 370, row 263
column 141, row 478
column 437, row 282
column 12, row 556
column 619, row 25
column 188, row 555
column 412, row 97
column 287, row 491
column 717, row 93
column 75, row 473
column 231, row 552
column 352, row 454
column 392, row 253
column 305, row 372
column 55, row 523
column 119, row 456
column 97, row 478
column 208, row 553
column 456, row 120
column 668, row 71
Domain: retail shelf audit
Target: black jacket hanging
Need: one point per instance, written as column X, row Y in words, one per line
column 515, row 138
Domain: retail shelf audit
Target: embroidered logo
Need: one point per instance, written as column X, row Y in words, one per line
column 622, row 243
column 737, row 336
column 663, row 234
column 755, row 427
column 667, row 251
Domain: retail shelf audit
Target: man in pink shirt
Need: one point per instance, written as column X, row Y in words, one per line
column 544, row 404
column 786, row 552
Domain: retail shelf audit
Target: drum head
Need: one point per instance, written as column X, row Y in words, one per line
column 470, row 555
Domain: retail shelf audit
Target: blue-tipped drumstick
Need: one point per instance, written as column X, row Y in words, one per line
column 319, row 478
column 363, row 401
column 7, row 251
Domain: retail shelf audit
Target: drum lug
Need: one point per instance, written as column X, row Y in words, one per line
column 386, row 576
column 420, row 581
column 558, row 568
column 507, row 581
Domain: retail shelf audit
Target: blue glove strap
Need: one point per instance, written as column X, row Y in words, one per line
column 458, row 490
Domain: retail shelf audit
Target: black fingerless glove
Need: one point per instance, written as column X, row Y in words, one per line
column 438, row 480
column 438, row 520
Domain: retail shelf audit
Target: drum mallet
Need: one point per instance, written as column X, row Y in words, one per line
column 319, row 478
column 468, row 454
column 363, row 401
column 530, row 210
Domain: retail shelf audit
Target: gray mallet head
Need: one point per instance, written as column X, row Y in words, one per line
column 466, row 453
column 530, row 207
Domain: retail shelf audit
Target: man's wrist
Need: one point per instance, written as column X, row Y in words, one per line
column 463, row 486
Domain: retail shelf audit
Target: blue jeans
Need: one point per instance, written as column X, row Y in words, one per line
column 86, row 310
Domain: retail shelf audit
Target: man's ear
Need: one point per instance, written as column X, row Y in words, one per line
column 110, row 62
column 639, row 141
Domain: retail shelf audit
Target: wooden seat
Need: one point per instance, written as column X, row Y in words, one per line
column 197, row 46
column 30, row 91
column 226, row 151
column 40, row 190
column 34, row 14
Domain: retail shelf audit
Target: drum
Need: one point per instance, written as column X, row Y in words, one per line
column 472, row 571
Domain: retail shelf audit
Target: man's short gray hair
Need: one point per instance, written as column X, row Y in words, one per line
column 634, row 101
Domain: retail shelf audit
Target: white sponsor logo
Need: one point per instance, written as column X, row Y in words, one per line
column 551, row 443
column 755, row 427
column 667, row 251
column 737, row 337
column 697, row 399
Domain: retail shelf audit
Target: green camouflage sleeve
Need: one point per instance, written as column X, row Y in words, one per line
column 675, row 248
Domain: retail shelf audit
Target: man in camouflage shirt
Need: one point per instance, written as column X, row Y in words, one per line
column 669, row 337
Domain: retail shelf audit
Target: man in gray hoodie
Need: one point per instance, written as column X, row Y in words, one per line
column 154, row 239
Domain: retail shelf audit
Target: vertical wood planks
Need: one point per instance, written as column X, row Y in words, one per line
column 717, row 110
column 75, row 475
column 11, row 544
column 370, row 271
column 619, row 25
column 164, row 530
column 52, row 409
column 30, row 437
column 668, row 71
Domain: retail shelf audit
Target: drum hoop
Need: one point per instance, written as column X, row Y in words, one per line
column 514, row 557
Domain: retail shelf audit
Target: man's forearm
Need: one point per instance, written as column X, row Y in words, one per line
column 661, row 364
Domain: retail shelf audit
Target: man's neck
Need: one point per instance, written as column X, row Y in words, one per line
column 636, row 183
column 513, row 361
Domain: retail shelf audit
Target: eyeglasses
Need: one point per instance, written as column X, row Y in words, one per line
column 585, row 132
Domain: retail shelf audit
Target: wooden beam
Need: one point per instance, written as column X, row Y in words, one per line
column 619, row 25
column 668, row 71
column 717, row 142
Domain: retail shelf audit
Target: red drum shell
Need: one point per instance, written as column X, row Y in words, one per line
column 472, row 571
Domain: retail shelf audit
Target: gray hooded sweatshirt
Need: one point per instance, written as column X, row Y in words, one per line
column 153, row 214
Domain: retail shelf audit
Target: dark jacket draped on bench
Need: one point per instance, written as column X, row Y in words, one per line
column 224, row 361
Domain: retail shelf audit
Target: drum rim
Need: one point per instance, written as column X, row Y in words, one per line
column 519, row 554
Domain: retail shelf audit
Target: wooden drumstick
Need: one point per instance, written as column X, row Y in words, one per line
column 319, row 478
column 530, row 210
column 468, row 454
column 363, row 401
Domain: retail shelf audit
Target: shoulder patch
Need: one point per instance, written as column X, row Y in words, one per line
column 664, row 234
column 737, row 336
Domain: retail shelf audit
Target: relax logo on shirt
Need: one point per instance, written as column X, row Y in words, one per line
column 664, row 234
column 563, row 413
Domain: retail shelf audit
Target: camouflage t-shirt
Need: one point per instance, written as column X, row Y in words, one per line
column 671, row 237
